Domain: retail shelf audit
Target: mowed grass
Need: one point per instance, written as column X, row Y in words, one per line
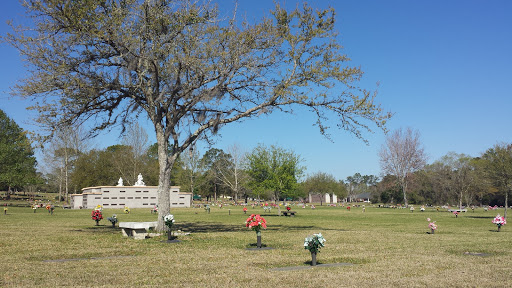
column 389, row 248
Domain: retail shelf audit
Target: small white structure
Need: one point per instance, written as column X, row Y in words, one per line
column 130, row 196
column 139, row 181
column 120, row 182
column 324, row 198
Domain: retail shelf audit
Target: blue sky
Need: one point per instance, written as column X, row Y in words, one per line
column 444, row 68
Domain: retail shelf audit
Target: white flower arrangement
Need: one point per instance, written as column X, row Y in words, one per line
column 314, row 243
column 169, row 220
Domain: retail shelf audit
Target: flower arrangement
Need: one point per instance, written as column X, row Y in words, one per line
column 288, row 208
column 412, row 209
column 500, row 221
column 169, row 220
column 113, row 220
column 126, row 210
column 456, row 213
column 245, row 210
column 314, row 242
column 267, row 208
column 96, row 216
column 432, row 225
column 256, row 222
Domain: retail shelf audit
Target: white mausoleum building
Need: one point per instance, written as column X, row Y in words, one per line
column 130, row 196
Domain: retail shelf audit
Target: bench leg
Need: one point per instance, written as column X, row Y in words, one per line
column 127, row 232
column 139, row 233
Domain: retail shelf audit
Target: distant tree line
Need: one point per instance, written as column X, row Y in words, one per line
column 269, row 173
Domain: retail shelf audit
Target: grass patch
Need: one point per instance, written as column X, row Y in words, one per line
column 388, row 247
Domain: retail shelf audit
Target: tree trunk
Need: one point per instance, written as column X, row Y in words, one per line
column 66, row 167
column 506, row 203
column 404, row 190
column 165, row 161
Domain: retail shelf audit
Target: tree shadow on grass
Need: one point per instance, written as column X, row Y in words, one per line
column 99, row 229
column 481, row 217
column 206, row 227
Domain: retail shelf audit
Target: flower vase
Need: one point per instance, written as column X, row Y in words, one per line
column 258, row 239
column 499, row 228
column 113, row 224
column 313, row 258
column 432, row 231
column 169, row 235
column 97, row 222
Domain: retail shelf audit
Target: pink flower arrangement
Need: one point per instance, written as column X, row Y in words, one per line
column 432, row 225
column 456, row 213
column 256, row 222
column 499, row 220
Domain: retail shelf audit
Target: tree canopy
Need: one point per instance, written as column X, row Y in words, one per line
column 274, row 169
column 498, row 164
column 187, row 68
column 17, row 161
column 323, row 183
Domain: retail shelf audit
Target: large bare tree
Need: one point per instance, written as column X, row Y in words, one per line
column 65, row 147
column 401, row 155
column 188, row 69
column 130, row 164
column 231, row 172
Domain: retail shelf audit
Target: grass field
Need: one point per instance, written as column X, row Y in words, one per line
column 388, row 247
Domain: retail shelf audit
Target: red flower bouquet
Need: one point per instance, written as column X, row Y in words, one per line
column 96, row 216
column 256, row 222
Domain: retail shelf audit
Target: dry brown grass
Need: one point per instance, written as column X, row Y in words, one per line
column 390, row 248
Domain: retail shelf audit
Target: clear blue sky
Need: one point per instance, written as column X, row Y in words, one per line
column 444, row 67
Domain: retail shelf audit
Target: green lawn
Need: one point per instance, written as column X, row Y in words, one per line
column 390, row 248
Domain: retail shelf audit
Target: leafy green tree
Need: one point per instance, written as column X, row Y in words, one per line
column 17, row 161
column 498, row 164
column 389, row 190
column 188, row 69
column 274, row 169
column 95, row 168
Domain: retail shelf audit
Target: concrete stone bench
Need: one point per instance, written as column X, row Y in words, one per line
column 457, row 210
column 137, row 230
column 289, row 213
